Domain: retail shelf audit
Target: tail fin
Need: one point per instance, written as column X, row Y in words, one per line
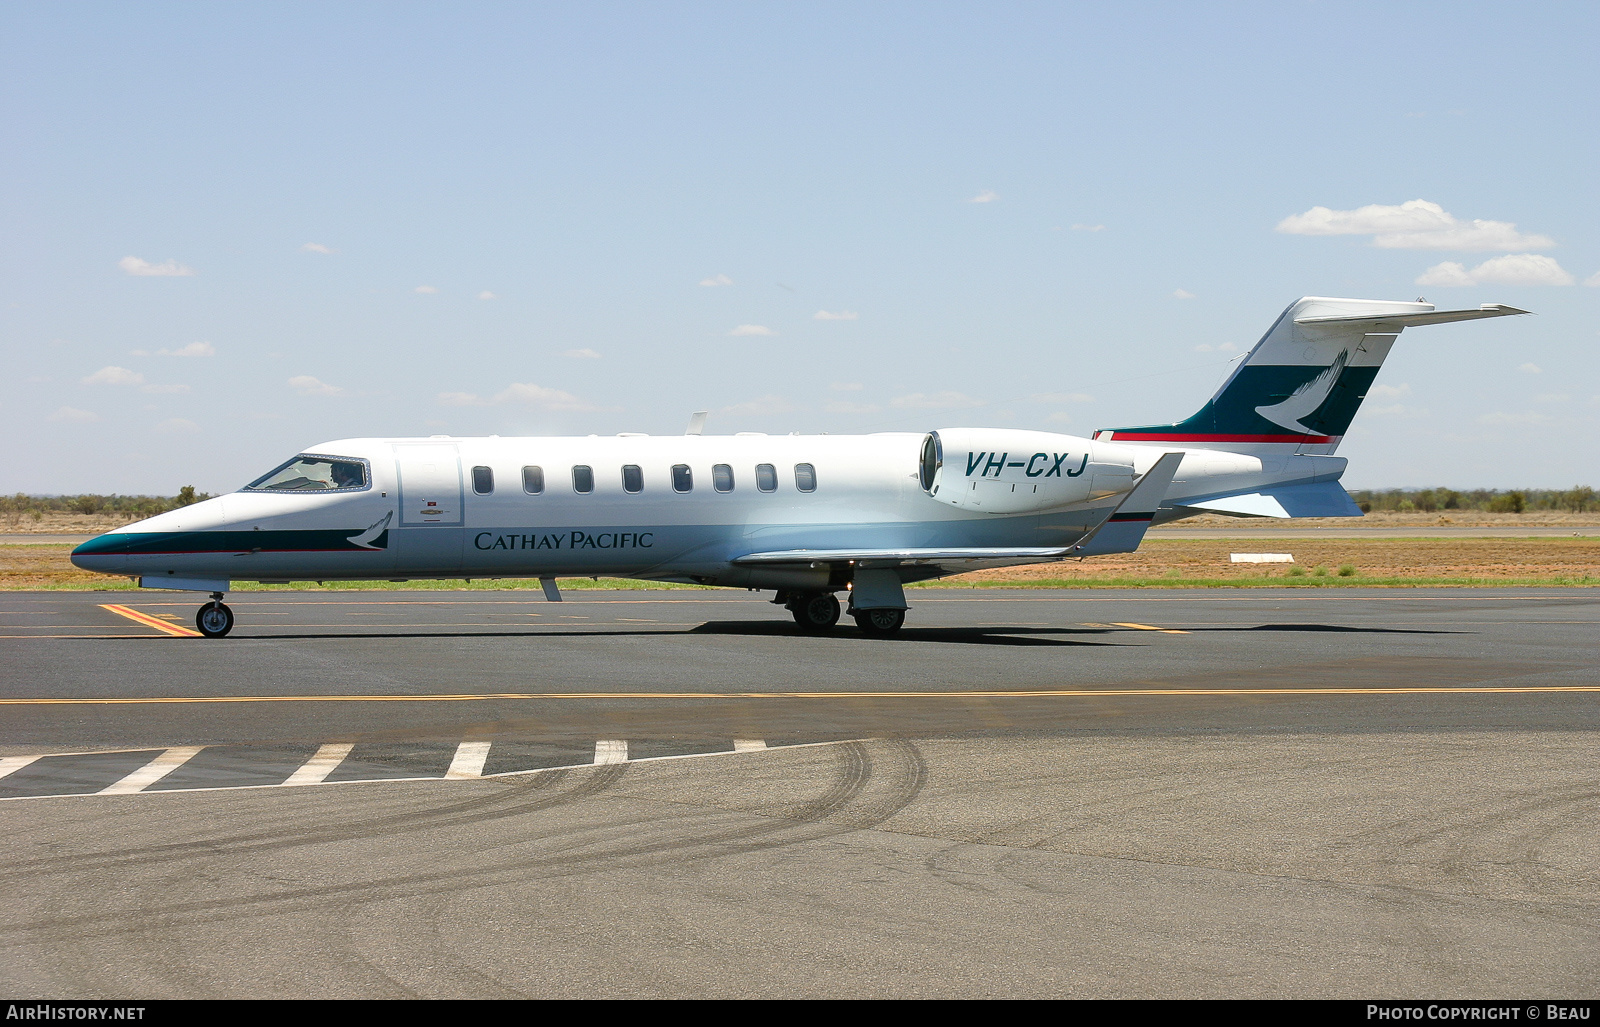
column 1298, row 389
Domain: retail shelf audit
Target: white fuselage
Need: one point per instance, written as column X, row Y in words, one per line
column 424, row 510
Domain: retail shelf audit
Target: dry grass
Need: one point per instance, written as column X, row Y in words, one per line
column 1159, row 562
column 1376, row 561
column 1394, row 519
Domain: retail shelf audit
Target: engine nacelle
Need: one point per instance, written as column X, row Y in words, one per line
column 1009, row 471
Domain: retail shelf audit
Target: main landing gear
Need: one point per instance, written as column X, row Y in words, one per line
column 881, row 623
column 214, row 619
column 814, row 611
column 819, row 611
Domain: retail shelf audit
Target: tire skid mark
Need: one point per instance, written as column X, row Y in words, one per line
column 453, row 815
column 790, row 825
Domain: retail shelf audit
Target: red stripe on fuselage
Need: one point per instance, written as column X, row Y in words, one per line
column 1315, row 440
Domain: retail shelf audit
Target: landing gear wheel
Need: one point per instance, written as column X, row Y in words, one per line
column 214, row 620
column 879, row 623
column 817, row 612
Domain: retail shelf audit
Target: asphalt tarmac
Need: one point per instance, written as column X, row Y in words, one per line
column 1306, row 792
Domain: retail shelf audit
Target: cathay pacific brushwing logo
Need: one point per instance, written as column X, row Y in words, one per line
column 1307, row 398
column 366, row 538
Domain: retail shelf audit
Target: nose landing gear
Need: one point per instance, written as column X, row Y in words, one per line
column 214, row 619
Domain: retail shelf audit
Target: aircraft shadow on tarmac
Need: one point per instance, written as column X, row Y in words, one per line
column 994, row 635
column 1336, row 627
column 990, row 635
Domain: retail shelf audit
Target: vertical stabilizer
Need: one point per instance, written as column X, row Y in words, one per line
column 1299, row 388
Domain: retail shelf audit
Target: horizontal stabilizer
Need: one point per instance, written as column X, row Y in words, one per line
column 1413, row 320
column 1317, row 499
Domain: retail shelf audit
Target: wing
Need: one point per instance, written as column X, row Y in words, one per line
column 965, row 559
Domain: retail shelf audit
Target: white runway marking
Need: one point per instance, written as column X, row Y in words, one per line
column 326, row 759
column 610, row 751
column 469, row 760
column 748, row 744
column 153, row 771
column 12, row 764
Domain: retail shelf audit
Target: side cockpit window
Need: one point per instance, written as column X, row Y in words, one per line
column 307, row 473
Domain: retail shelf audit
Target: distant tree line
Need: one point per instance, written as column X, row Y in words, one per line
column 131, row 507
column 1578, row 499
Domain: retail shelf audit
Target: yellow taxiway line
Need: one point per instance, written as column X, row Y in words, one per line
column 1074, row 693
column 149, row 621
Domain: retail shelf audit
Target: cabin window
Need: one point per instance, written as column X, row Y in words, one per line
column 722, row 477
column 682, row 478
column 632, row 478
column 766, row 478
column 482, row 480
column 313, row 474
column 805, row 477
column 583, row 478
column 533, row 480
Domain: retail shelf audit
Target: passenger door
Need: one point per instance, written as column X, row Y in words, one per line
column 431, row 511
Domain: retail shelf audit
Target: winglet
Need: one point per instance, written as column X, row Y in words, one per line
column 697, row 423
column 1124, row 528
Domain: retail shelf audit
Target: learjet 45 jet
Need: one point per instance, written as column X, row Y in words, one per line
column 804, row 516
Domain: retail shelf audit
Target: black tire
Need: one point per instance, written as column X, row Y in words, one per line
column 879, row 623
column 817, row 612
column 214, row 620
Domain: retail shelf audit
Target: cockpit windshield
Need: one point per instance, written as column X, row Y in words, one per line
column 307, row 473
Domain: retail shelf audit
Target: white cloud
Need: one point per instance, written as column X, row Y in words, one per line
column 425, row 290
column 306, row 385
column 316, row 247
column 520, row 392
column 843, row 315
column 178, row 425
column 752, row 330
column 581, row 354
column 987, row 196
column 73, row 415
column 1530, row 369
column 114, row 376
column 1088, row 228
column 1500, row 417
column 1397, row 410
column 716, row 280
column 764, row 405
column 539, row 396
column 836, row 406
column 1593, row 282
column 947, row 400
column 1226, row 347
column 166, row 390
column 1553, row 397
column 1413, row 225
column 1062, row 397
column 487, row 295
column 194, row 349
column 1389, row 391
column 1512, row 269
column 1182, row 294
column 1058, row 416
column 845, row 387
column 143, row 268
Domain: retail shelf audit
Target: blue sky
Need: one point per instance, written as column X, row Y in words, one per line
column 233, row 231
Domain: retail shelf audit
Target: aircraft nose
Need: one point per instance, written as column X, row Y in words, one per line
column 105, row 554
